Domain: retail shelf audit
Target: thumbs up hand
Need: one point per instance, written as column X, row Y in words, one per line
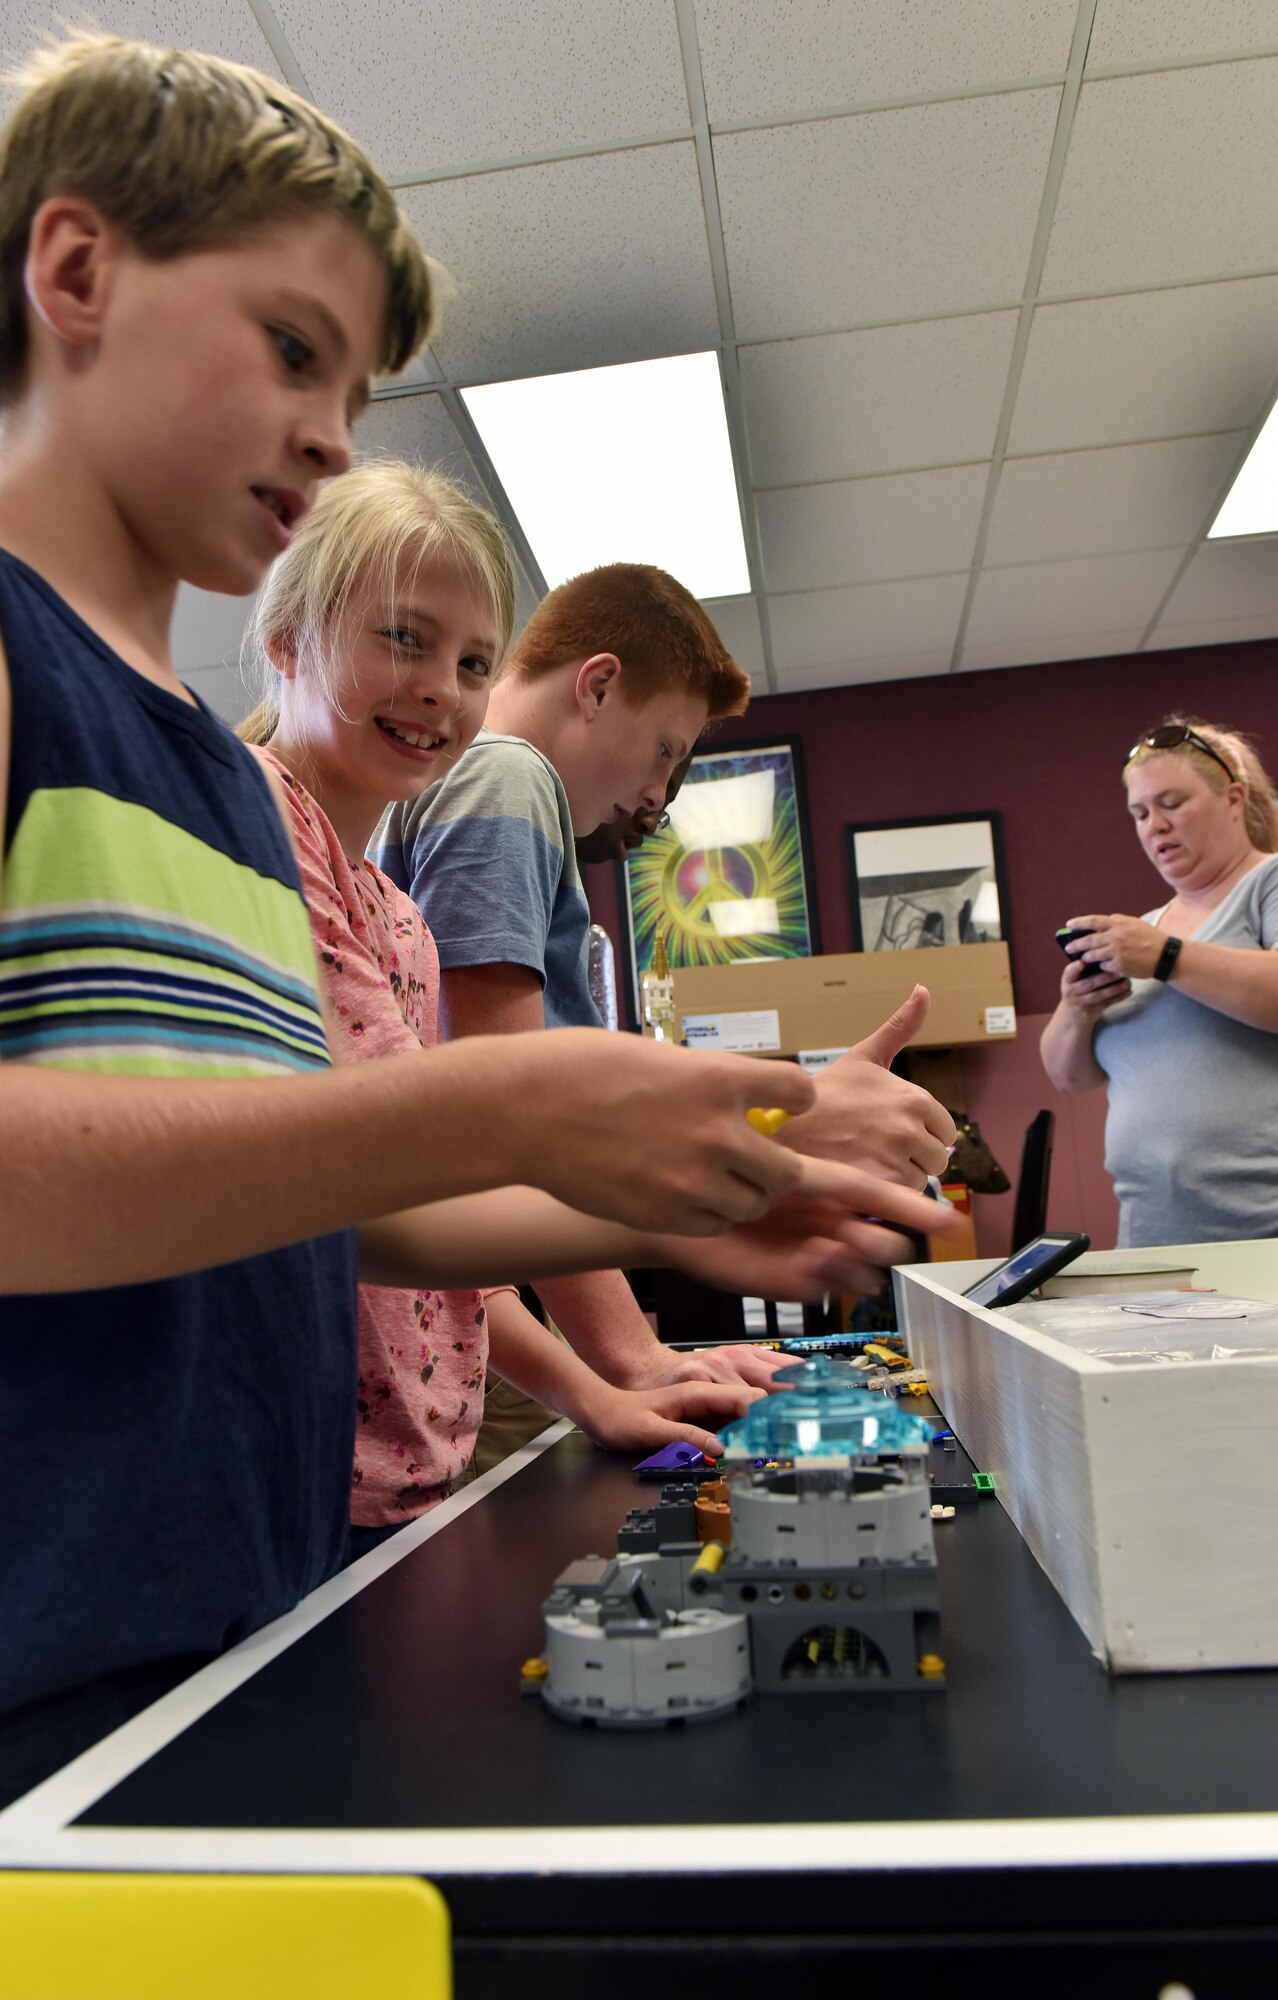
column 868, row 1118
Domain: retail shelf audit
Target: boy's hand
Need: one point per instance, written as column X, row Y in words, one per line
column 869, row 1118
column 645, row 1419
column 816, row 1240
column 739, row 1364
column 656, row 1137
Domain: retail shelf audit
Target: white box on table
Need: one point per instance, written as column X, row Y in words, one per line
column 1148, row 1493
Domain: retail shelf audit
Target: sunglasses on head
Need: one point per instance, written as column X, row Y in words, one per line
column 1173, row 736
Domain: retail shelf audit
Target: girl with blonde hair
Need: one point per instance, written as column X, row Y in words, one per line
column 381, row 628
column 1177, row 1011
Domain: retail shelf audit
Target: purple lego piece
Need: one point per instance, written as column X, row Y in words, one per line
column 671, row 1458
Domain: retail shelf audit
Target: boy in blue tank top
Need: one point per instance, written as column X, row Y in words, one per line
column 183, row 1168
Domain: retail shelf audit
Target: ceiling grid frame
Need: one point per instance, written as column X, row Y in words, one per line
column 1070, row 92
column 1218, row 501
column 685, row 21
column 1164, row 423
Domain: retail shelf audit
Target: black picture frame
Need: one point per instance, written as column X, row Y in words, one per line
column 925, row 889
column 659, row 849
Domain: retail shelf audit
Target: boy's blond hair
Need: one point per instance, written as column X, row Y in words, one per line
column 664, row 640
column 183, row 152
column 356, row 536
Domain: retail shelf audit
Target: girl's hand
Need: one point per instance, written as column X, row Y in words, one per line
column 646, row 1419
column 821, row 1239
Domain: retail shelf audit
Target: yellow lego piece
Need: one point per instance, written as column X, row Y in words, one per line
column 767, row 1122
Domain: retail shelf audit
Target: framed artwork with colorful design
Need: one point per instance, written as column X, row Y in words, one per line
column 730, row 877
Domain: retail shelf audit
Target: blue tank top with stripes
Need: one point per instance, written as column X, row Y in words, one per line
column 174, row 1457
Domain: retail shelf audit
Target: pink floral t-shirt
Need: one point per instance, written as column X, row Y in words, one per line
column 422, row 1355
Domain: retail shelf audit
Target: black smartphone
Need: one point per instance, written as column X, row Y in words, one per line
column 1019, row 1276
column 1065, row 936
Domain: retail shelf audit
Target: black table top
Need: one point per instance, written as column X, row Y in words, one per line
column 402, row 1708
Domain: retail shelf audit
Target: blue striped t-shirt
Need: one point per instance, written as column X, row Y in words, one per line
column 487, row 855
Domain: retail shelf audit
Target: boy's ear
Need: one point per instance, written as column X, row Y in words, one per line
column 597, row 677
column 71, row 253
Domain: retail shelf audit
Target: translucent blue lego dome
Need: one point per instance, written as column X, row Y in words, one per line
column 820, row 1410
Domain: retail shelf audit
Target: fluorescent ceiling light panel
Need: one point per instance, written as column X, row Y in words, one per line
column 1251, row 504
column 628, row 464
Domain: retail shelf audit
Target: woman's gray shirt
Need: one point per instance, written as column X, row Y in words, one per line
column 1191, row 1138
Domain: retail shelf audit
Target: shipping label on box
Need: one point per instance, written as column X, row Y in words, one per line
column 1000, row 1020
column 740, row 1034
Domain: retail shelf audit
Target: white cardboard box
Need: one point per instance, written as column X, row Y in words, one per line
column 1148, row 1493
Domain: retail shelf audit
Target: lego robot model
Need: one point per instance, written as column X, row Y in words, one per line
column 809, row 1569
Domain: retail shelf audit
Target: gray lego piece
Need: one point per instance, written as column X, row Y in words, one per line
column 830, row 1584
column 616, row 1660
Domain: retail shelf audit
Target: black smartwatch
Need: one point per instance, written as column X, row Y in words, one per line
column 1167, row 959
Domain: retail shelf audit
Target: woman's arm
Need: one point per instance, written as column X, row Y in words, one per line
column 1233, row 979
column 1066, row 1043
column 525, row 1354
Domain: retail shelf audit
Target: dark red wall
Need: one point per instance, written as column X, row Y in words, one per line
column 1044, row 746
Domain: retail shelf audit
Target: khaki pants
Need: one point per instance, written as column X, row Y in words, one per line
column 511, row 1419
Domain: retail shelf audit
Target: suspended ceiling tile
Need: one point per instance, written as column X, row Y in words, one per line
column 414, row 427
column 425, row 84
column 571, row 265
column 1227, row 580
column 736, row 619
column 1214, row 632
column 1148, row 365
column 207, row 628
column 879, row 401
column 781, row 58
column 891, row 213
column 907, row 667
column 1153, row 31
column 1041, row 604
column 844, row 634
column 1169, row 176
column 1091, row 503
column 223, row 30
column 225, row 690
column 870, row 530
column 1042, row 651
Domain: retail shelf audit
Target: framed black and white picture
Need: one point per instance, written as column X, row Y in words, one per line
column 916, row 883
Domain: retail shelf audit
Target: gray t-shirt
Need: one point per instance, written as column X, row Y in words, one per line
column 1192, row 1133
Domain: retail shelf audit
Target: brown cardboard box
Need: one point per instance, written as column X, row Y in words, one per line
column 829, row 1003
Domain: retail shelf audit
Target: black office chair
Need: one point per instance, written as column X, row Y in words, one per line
column 1029, row 1217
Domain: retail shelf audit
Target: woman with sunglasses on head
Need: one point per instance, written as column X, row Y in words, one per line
column 1177, row 1011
